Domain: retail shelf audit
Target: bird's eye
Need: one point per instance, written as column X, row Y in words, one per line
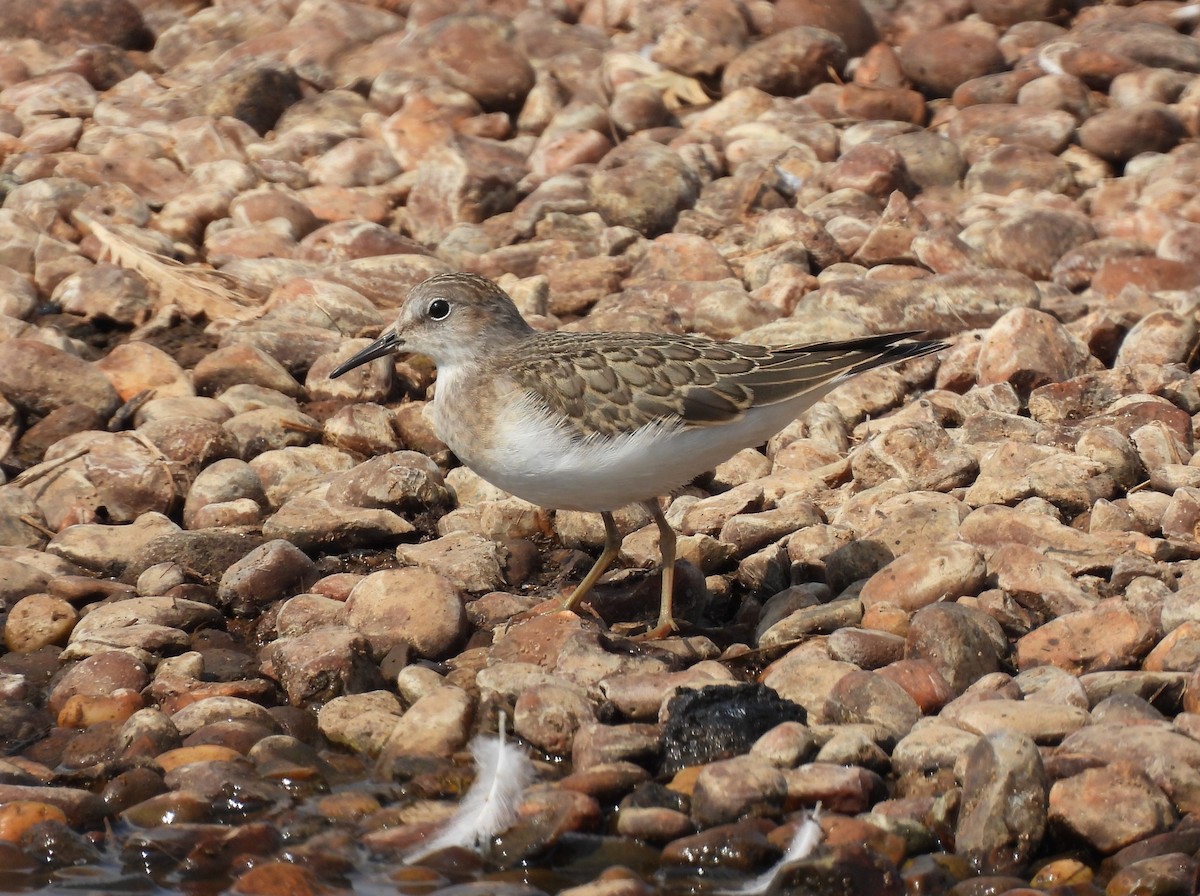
column 439, row 309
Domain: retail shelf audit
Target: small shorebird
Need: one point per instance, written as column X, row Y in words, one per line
column 597, row 421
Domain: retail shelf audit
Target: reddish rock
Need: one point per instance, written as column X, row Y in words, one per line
column 941, row 59
column 1110, row 636
column 849, row 20
column 1117, row 135
column 1028, row 349
column 116, row 22
column 788, row 63
column 1081, row 806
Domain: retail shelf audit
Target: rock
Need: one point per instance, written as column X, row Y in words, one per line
column 80, row 807
column 919, row 578
column 286, row 471
column 362, row 722
column 471, row 562
column 1117, row 135
column 1077, row 805
column 548, row 716
column 1012, row 167
column 941, row 59
column 992, row 526
column 1037, row 582
column 930, row 747
column 921, row 456
column 642, row 695
column 977, row 129
column 1043, row 722
column 871, row 699
column 106, row 293
column 195, row 716
column 1028, row 349
column 322, row 664
column 728, row 715
column 1005, row 14
column 1161, row 337
column 787, row 63
column 96, row 676
column 1171, row 760
column 743, row 786
column 38, row 620
column 962, row 643
column 467, row 183
column 39, row 378
column 700, row 41
column 1108, row 636
column 206, row 554
column 866, row 648
column 414, row 606
column 502, row 84
column 437, row 724
column 111, row 549
column 1013, row 472
column 1165, row 873
column 120, row 24
column 1033, row 241
column 844, row 789
column 313, row 523
column 642, row 185
column 979, row 300
column 255, row 94
column 222, row 482
column 849, row 21
column 1003, row 816
column 398, row 480
column 237, row 364
column 271, row 571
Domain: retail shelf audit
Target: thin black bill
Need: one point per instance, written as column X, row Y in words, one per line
column 384, row 345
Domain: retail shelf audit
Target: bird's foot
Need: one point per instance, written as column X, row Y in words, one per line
column 666, row 626
column 552, row 605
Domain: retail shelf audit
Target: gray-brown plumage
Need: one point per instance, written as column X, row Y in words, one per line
column 612, row 383
column 596, row 421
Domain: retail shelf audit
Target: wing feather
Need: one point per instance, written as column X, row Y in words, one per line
column 615, row 383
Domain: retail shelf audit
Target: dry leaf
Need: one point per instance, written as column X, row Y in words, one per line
column 197, row 291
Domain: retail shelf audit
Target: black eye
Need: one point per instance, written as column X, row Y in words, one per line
column 439, row 309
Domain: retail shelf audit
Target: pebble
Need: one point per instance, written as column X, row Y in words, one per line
column 736, row 788
column 963, row 643
column 413, row 606
column 314, row 568
column 1003, row 815
column 1107, row 636
column 941, row 59
column 788, row 63
column 270, row 571
column 1076, row 804
column 38, row 620
column 919, row 578
column 40, row 378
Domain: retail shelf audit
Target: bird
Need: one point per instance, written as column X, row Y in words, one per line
column 597, row 421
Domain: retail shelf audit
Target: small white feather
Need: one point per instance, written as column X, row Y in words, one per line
column 490, row 806
column 1049, row 57
column 1187, row 14
column 807, row 838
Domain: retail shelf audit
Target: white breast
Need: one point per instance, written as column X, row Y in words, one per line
column 536, row 458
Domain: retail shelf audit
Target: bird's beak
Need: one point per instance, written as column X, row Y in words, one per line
column 387, row 343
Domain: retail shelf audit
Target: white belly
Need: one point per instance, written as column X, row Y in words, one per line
column 533, row 459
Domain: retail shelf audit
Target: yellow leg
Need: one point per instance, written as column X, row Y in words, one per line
column 612, row 546
column 666, row 546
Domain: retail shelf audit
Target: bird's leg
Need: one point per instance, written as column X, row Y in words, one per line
column 666, row 546
column 612, row 545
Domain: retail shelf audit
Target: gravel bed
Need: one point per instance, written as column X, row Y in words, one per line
column 254, row 617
